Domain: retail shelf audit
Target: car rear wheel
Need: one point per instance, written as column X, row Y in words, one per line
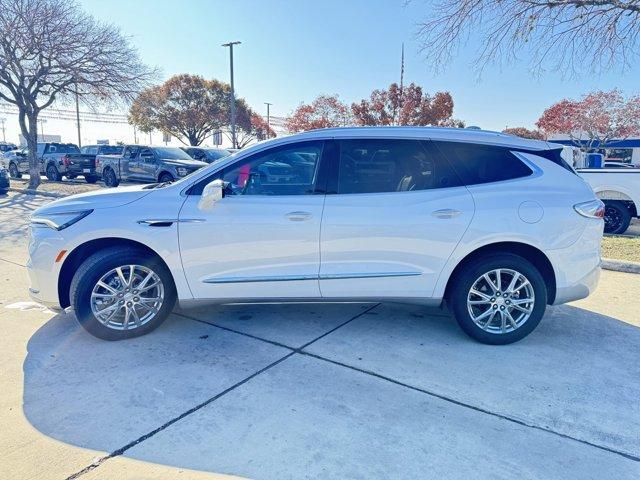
column 498, row 299
column 13, row 171
column 53, row 174
column 165, row 177
column 110, row 179
column 122, row 293
column 617, row 217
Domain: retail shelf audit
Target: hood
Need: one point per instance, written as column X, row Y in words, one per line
column 103, row 198
column 185, row 163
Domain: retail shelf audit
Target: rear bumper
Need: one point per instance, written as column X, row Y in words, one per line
column 577, row 267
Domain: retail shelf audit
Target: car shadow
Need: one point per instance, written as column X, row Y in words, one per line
column 103, row 395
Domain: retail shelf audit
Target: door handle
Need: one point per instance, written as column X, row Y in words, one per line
column 298, row 216
column 446, row 213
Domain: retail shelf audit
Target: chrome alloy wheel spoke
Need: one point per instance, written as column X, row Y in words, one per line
column 127, row 297
column 501, row 301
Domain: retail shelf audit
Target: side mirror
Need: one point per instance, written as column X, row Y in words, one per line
column 212, row 193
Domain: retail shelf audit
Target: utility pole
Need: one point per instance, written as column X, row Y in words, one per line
column 268, row 117
column 401, row 81
column 42, row 122
column 233, row 95
column 2, row 122
column 78, row 116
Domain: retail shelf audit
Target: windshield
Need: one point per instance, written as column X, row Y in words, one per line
column 172, row 153
column 216, row 154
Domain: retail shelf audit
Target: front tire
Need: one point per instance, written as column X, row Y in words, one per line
column 13, row 171
column 165, row 177
column 617, row 217
column 498, row 299
column 122, row 292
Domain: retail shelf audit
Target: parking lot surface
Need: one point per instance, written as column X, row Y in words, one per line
column 316, row 390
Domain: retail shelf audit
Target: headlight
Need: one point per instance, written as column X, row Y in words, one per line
column 181, row 171
column 59, row 221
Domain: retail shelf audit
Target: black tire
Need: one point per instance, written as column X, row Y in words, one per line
column 467, row 277
column 97, row 265
column 13, row 171
column 52, row 173
column 617, row 217
column 91, row 178
column 110, row 179
column 165, row 177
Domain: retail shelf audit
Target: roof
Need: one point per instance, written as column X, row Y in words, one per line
column 486, row 137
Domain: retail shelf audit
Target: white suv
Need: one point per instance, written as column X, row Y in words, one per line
column 496, row 225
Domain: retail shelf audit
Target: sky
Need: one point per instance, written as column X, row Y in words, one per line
column 294, row 50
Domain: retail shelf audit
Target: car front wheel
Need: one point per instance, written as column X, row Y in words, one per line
column 120, row 293
column 498, row 299
column 13, row 171
column 165, row 177
column 110, row 179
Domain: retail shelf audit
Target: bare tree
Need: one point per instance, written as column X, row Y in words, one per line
column 570, row 36
column 51, row 49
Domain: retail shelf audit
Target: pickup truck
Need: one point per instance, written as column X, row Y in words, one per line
column 149, row 164
column 65, row 159
column 619, row 189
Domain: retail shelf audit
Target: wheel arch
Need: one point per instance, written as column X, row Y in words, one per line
column 75, row 258
column 618, row 194
column 534, row 255
column 164, row 171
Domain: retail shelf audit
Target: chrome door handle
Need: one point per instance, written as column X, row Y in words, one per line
column 446, row 213
column 298, row 216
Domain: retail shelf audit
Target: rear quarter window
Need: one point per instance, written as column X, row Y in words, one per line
column 478, row 164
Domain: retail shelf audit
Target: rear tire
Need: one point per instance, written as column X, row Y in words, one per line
column 110, row 179
column 165, row 177
column 470, row 308
column 53, row 174
column 13, row 171
column 617, row 217
column 118, row 311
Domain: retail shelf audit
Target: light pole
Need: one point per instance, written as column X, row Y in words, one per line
column 268, row 117
column 42, row 122
column 2, row 121
column 78, row 116
column 233, row 95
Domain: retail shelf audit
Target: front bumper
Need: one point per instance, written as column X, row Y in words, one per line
column 44, row 246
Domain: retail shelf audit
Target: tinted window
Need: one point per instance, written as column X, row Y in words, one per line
column 477, row 164
column 373, row 166
column 288, row 170
column 130, row 152
column 171, row 153
column 109, row 149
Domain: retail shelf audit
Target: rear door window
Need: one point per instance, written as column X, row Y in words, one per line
column 391, row 165
column 477, row 164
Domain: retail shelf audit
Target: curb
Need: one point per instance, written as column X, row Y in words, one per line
column 28, row 191
column 619, row 266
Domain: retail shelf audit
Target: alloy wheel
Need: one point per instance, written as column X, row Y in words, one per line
column 127, row 297
column 501, row 301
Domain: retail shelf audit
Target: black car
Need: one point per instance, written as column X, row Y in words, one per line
column 206, row 154
column 4, row 180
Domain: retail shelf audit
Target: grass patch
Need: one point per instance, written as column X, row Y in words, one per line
column 621, row 248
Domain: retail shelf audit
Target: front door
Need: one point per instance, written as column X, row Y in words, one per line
column 399, row 212
column 261, row 241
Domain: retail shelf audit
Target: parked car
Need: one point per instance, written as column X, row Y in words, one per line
column 6, row 147
column 619, row 189
column 497, row 226
column 4, row 180
column 145, row 164
column 613, row 164
column 16, row 162
column 206, row 154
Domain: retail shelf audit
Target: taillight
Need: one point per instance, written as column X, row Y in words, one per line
column 66, row 161
column 590, row 209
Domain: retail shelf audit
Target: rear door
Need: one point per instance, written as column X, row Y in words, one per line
column 397, row 214
column 148, row 164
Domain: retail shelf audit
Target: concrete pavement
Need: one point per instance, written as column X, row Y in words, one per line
column 317, row 391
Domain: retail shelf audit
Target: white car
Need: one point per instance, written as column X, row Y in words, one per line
column 498, row 226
